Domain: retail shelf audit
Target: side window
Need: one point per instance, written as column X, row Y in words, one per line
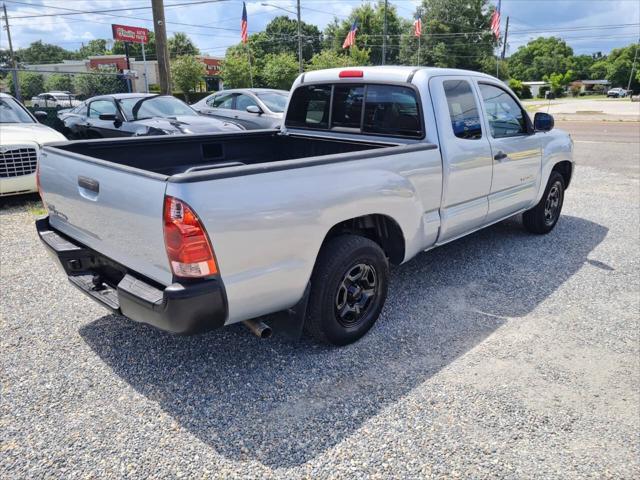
column 309, row 107
column 99, row 107
column 224, row 100
column 347, row 106
column 505, row 116
column 391, row 110
column 465, row 119
column 244, row 101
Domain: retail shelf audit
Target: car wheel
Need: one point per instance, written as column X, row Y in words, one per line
column 348, row 289
column 544, row 216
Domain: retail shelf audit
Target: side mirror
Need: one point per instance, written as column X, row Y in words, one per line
column 40, row 115
column 254, row 109
column 108, row 117
column 543, row 122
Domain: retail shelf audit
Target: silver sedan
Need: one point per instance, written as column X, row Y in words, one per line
column 254, row 108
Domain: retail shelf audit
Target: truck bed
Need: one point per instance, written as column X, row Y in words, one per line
column 170, row 155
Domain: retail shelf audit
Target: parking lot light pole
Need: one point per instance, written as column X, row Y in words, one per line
column 297, row 13
column 14, row 64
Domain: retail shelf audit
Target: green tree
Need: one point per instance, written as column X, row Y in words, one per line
column 327, row 59
column 540, row 57
column 135, row 49
column 39, row 52
column 235, row 71
column 87, row 85
column 521, row 90
column 279, row 70
column 281, row 36
column 582, row 65
column 180, row 44
column 94, row 47
column 59, row 82
column 558, row 81
column 598, row 71
column 370, row 20
column 31, row 84
column 446, row 40
column 619, row 65
column 186, row 73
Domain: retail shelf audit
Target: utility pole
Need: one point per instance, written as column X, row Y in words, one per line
column 635, row 57
column 300, row 66
column 384, row 33
column 162, row 52
column 504, row 45
column 14, row 64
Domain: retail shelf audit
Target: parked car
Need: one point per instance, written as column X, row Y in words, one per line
column 136, row 114
column 54, row 100
column 617, row 93
column 20, row 139
column 253, row 108
column 371, row 167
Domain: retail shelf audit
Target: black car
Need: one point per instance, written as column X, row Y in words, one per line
column 135, row 114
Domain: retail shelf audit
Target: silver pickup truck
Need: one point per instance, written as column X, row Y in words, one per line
column 371, row 166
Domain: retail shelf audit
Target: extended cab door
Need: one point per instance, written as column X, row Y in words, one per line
column 466, row 153
column 516, row 151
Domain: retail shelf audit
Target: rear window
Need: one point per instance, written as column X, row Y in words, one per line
column 387, row 110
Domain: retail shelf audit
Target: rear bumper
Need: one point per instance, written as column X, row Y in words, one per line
column 178, row 308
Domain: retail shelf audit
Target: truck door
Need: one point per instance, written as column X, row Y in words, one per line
column 516, row 151
column 466, row 155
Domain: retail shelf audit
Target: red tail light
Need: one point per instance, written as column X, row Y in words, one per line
column 351, row 74
column 186, row 241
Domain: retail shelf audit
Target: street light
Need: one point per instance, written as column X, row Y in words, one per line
column 300, row 67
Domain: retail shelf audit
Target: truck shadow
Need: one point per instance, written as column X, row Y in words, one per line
column 283, row 403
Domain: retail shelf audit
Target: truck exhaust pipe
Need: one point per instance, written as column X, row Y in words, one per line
column 258, row 328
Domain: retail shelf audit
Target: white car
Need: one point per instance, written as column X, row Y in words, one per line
column 20, row 139
column 617, row 93
column 54, row 100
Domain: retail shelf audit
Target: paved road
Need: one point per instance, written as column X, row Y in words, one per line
column 502, row 355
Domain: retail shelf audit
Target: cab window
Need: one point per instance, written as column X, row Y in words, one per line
column 465, row 119
column 505, row 117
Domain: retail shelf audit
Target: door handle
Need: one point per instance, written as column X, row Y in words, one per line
column 89, row 184
column 500, row 156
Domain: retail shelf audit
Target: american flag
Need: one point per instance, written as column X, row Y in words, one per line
column 351, row 36
column 243, row 24
column 495, row 20
column 417, row 26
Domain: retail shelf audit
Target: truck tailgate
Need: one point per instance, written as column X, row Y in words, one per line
column 116, row 212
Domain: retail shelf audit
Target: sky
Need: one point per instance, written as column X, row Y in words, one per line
column 588, row 26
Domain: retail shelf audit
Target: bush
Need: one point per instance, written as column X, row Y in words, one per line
column 279, row 70
column 87, row 85
column 186, row 72
column 521, row 90
column 542, row 93
column 59, row 82
column 31, row 84
column 575, row 91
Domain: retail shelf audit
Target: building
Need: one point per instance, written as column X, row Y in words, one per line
column 535, row 87
column 592, row 86
column 118, row 63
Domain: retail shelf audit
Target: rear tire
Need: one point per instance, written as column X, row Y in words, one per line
column 348, row 289
column 543, row 217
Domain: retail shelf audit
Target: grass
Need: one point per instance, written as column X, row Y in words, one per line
column 36, row 209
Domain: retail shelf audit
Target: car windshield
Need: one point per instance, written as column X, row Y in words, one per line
column 12, row 112
column 275, row 101
column 140, row 108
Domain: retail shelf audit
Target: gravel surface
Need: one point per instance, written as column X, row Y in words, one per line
column 502, row 355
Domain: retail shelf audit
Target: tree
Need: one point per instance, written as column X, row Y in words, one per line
column 582, row 65
column 370, row 31
column 31, row 84
column 559, row 81
column 540, row 57
column 281, row 36
column 38, row 52
column 94, row 47
column 521, row 90
column 332, row 59
column 456, row 34
column 186, row 72
column 279, row 70
column 135, row 49
column 88, row 85
column 619, row 65
column 235, row 71
column 59, row 82
column 180, row 44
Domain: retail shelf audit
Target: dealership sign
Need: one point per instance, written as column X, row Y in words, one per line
column 130, row 34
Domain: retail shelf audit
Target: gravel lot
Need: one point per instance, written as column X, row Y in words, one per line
column 502, row 355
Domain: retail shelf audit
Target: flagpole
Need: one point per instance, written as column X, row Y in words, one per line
column 249, row 59
column 419, row 38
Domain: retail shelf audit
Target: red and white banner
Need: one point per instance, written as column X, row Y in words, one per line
column 130, row 34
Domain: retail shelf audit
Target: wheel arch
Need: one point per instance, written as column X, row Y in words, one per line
column 380, row 228
column 564, row 168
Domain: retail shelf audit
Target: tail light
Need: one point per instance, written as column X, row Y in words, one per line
column 188, row 248
column 351, row 74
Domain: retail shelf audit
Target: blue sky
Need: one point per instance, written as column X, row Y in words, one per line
column 587, row 25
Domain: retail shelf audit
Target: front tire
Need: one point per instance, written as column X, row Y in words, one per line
column 348, row 289
column 543, row 217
